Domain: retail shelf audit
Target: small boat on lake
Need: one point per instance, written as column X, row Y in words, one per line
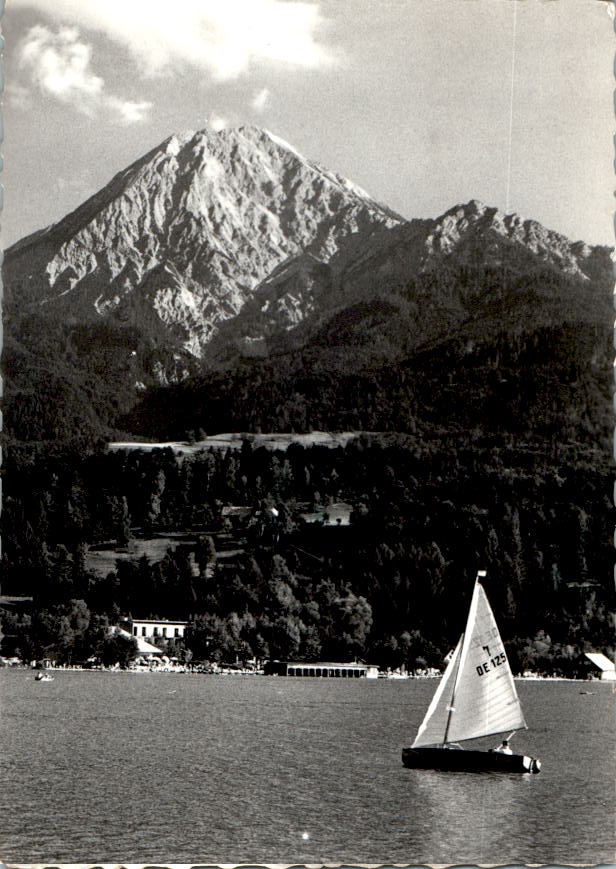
column 43, row 677
column 476, row 697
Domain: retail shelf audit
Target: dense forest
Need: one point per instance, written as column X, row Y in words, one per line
column 391, row 586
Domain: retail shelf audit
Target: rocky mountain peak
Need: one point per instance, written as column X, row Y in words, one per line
column 190, row 229
column 489, row 230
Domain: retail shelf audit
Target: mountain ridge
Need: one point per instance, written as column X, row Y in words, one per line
column 195, row 228
column 219, row 249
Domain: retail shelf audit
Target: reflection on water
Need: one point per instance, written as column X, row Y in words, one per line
column 100, row 767
column 472, row 817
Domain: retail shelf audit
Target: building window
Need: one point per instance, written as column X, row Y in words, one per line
column 143, row 632
column 164, row 632
column 176, row 632
column 155, row 632
column 134, row 632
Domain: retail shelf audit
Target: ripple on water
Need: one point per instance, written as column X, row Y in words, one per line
column 101, row 767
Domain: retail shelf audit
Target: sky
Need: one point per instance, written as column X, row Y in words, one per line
column 423, row 103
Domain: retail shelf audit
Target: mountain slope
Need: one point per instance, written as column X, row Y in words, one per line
column 276, row 294
column 188, row 231
column 518, row 351
column 435, row 273
column 549, row 388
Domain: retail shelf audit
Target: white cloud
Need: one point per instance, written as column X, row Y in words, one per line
column 222, row 37
column 130, row 112
column 58, row 63
column 260, row 99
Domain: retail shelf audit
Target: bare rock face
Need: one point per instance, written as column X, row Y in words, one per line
column 478, row 223
column 189, row 231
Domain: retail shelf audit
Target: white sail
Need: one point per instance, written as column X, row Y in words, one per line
column 485, row 698
column 433, row 726
column 482, row 699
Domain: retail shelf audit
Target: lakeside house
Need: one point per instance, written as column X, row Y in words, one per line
column 157, row 629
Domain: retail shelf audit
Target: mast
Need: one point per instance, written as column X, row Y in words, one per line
column 451, row 707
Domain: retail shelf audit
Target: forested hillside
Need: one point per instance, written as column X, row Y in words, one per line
column 391, row 587
column 69, row 382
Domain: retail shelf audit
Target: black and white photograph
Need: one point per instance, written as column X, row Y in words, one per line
column 307, row 433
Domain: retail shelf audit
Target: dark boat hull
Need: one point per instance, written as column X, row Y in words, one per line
column 461, row 760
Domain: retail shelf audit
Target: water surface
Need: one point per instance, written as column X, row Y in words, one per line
column 120, row 767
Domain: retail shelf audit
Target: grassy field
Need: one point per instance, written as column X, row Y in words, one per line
column 102, row 559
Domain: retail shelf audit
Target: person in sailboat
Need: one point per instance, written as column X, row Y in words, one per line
column 504, row 747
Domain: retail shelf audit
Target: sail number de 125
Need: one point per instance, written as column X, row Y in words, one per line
column 490, row 664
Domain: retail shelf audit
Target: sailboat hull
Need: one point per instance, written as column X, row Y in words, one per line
column 461, row 760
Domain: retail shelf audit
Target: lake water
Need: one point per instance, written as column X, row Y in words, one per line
column 106, row 767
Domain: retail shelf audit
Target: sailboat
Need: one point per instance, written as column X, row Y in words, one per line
column 476, row 697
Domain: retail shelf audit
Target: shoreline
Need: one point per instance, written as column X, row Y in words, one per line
column 235, row 673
